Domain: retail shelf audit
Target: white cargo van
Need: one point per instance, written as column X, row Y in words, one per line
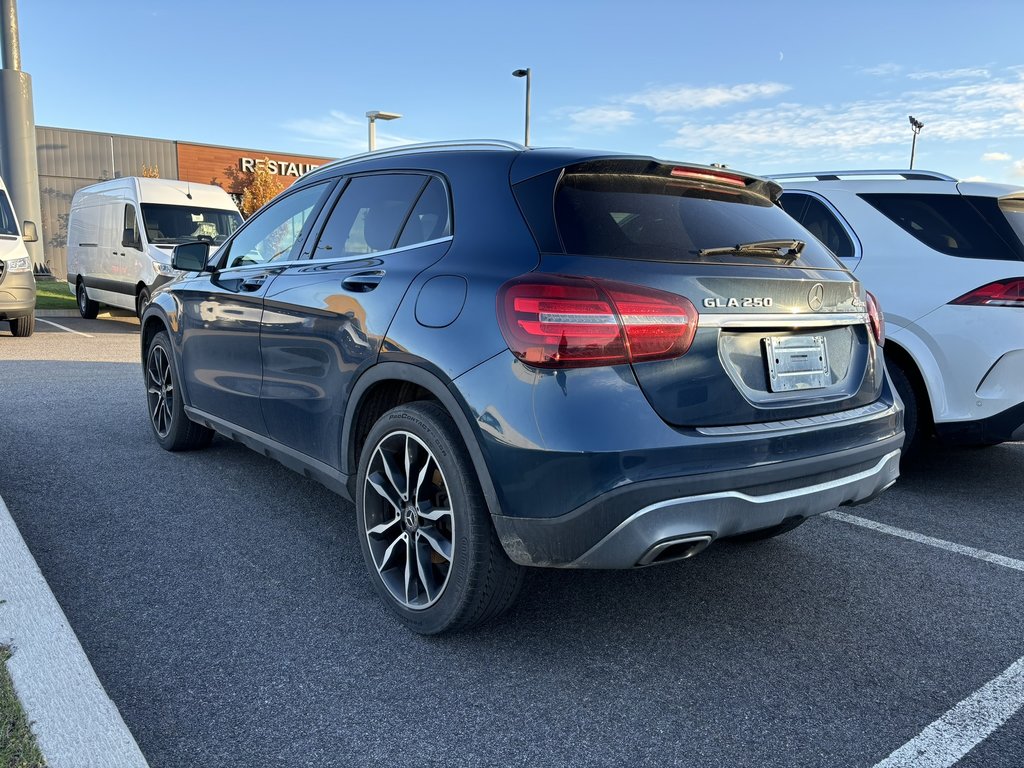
column 17, row 285
column 121, row 233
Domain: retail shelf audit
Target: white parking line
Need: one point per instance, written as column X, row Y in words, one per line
column 966, row 725
column 64, row 328
column 960, row 549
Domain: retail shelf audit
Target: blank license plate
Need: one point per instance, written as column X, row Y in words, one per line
column 796, row 362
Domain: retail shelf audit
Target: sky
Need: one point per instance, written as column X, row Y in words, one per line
column 765, row 87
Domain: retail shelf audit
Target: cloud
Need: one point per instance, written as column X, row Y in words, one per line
column 600, row 119
column 975, row 178
column 995, row 157
column 882, row 70
column 967, row 73
column 860, row 130
column 684, row 98
column 1018, row 168
column 341, row 133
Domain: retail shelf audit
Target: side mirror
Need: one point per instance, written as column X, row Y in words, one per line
column 30, row 234
column 130, row 238
column 190, row 257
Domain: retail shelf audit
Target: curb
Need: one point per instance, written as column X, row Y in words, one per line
column 75, row 722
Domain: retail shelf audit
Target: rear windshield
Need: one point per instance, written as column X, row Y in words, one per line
column 175, row 224
column 957, row 225
column 8, row 226
column 658, row 218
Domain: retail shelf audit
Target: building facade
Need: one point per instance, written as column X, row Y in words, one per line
column 71, row 159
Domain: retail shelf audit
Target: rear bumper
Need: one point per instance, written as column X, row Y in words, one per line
column 621, row 529
column 1003, row 427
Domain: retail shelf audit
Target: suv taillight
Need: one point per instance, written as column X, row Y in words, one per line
column 877, row 318
column 567, row 322
column 1002, row 293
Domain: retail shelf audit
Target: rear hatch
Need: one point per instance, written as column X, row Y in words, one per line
column 783, row 330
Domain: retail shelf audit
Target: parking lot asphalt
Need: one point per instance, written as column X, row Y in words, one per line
column 223, row 602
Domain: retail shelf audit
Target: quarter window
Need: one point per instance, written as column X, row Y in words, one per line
column 957, row 225
column 817, row 219
column 430, row 218
column 370, row 214
column 275, row 232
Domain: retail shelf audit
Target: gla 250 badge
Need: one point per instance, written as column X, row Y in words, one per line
column 746, row 301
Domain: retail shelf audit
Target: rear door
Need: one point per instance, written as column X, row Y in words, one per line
column 327, row 316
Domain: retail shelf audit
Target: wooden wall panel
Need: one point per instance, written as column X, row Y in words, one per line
column 227, row 167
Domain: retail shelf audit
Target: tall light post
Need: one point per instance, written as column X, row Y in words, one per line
column 916, row 126
column 525, row 73
column 372, row 117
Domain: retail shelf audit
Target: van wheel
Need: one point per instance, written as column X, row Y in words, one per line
column 171, row 426
column 424, row 528
column 23, row 326
column 141, row 302
column 86, row 306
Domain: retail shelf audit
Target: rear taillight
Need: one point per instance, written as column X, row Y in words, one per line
column 565, row 322
column 1002, row 293
column 877, row 318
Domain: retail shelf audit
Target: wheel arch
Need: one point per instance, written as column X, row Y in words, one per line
column 901, row 356
column 390, row 384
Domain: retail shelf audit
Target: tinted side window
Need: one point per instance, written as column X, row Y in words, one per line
column 820, row 222
column 430, row 218
column 274, row 232
column 131, row 221
column 369, row 215
column 969, row 227
column 7, row 224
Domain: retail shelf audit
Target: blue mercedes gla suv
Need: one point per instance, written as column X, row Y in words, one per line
column 514, row 357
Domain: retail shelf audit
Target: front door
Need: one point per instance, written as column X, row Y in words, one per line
column 222, row 310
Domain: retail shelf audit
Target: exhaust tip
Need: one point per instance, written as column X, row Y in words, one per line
column 671, row 550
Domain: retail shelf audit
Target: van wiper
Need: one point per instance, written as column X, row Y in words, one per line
column 779, row 249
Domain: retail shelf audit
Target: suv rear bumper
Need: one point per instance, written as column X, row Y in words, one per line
column 637, row 525
column 1001, row 428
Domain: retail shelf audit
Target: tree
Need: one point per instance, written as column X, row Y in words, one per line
column 150, row 171
column 260, row 188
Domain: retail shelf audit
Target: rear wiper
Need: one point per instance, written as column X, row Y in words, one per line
column 779, row 249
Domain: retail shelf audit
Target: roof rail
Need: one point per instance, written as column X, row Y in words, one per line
column 837, row 175
column 439, row 146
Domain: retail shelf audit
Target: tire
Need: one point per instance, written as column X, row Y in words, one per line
column 171, row 427
column 912, row 421
column 462, row 575
column 141, row 301
column 23, row 326
column 87, row 308
column 769, row 533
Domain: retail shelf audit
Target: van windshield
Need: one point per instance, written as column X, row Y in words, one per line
column 8, row 226
column 176, row 224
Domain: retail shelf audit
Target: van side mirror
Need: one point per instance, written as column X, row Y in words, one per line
column 29, row 229
column 190, row 257
column 130, row 239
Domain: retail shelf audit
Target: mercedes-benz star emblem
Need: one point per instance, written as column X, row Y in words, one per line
column 816, row 296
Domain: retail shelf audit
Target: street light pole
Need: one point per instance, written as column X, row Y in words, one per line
column 372, row 117
column 527, row 74
column 916, row 126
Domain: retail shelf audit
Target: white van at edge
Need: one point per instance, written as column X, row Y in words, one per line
column 17, row 284
column 121, row 233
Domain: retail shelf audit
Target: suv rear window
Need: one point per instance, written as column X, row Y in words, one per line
column 656, row 217
column 957, row 225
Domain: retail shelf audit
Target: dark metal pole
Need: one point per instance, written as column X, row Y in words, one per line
column 913, row 146
column 526, row 139
column 18, row 163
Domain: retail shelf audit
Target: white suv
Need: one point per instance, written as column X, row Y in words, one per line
column 946, row 260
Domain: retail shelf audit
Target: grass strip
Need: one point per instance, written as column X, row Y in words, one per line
column 18, row 748
column 53, row 294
